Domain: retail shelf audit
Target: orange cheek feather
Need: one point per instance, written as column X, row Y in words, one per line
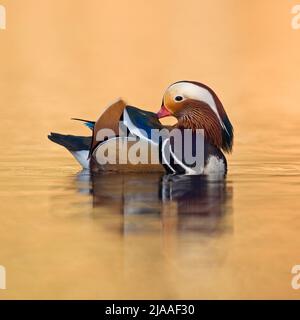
column 171, row 105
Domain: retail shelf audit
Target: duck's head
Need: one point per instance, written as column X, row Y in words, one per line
column 196, row 106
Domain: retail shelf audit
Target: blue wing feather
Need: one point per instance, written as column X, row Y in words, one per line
column 87, row 123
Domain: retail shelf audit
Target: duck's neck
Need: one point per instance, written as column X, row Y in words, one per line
column 202, row 118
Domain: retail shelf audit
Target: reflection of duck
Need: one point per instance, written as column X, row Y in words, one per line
column 127, row 193
column 201, row 202
column 193, row 203
column 194, row 105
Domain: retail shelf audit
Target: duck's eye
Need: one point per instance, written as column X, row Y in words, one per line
column 178, row 98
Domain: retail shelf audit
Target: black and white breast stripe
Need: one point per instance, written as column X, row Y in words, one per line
column 214, row 162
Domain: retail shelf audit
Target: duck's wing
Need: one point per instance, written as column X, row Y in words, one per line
column 116, row 154
column 109, row 119
column 87, row 123
column 144, row 124
column 136, row 133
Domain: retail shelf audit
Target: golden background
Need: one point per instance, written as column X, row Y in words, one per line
column 70, row 58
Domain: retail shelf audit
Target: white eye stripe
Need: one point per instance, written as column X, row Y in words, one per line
column 195, row 92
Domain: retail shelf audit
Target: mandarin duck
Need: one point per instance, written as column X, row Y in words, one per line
column 200, row 117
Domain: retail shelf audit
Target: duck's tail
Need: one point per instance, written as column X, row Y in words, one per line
column 77, row 145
